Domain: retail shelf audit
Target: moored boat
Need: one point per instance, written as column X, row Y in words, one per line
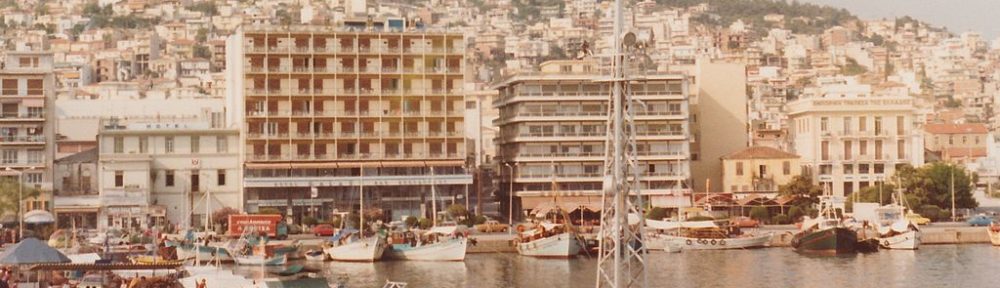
column 994, row 231
column 203, row 253
column 895, row 231
column 441, row 243
column 700, row 235
column 316, row 255
column 548, row 241
column 258, row 260
column 349, row 246
column 826, row 234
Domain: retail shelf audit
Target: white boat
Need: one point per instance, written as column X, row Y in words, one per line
column 994, row 231
column 258, row 260
column 548, row 241
column 214, row 277
column 316, row 255
column 446, row 250
column 204, row 253
column 669, row 235
column 356, row 249
column 895, row 231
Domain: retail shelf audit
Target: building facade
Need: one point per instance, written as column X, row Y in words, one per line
column 26, row 128
column 552, row 134
column 961, row 143
column 328, row 112
column 166, row 171
column 758, row 170
column 850, row 138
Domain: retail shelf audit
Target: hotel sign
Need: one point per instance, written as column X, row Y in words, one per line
column 861, row 102
column 276, row 182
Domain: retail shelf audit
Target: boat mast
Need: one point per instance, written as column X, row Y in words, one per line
column 621, row 262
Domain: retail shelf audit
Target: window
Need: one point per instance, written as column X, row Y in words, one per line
column 119, row 179
column 36, row 156
column 878, row 149
column 900, row 125
column 762, row 169
column 901, row 149
column 848, row 147
column 786, row 167
column 739, row 168
column 847, row 125
column 32, row 177
column 221, row 177
column 195, row 144
column 143, row 144
column 169, row 179
column 470, row 104
column 863, row 147
column 168, row 144
column 825, row 169
column 848, row 168
column 9, row 156
column 119, row 144
column 878, row 125
column 862, row 123
column 862, row 168
column 221, row 144
column 823, row 124
column 825, row 150
column 195, row 181
column 879, row 168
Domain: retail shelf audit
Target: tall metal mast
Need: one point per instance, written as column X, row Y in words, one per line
column 621, row 260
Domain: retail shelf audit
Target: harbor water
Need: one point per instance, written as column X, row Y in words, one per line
column 971, row 265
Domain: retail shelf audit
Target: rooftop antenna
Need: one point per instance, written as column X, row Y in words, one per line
column 621, row 260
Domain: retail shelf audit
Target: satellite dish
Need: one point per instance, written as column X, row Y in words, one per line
column 629, row 39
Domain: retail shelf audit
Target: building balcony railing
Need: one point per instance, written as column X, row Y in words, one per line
column 16, row 115
column 22, row 139
column 352, row 156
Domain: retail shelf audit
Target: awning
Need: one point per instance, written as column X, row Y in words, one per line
column 88, row 267
column 545, row 207
column 31, row 251
column 38, row 217
column 60, row 210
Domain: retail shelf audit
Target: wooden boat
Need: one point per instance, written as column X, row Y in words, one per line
column 445, row 246
column 548, row 240
column 257, row 260
column 147, row 259
column 826, row 234
column 203, row 253
column 894, row 229
column 350, row 247
column 316, row 255
column 700, row 235
column 994, row 231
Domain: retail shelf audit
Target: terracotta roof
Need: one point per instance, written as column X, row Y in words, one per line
column 760, row 152
column 965, row 152
column 975, row 128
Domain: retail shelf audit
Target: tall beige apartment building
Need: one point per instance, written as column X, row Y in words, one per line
column 325, row 111
column 26, row 150
column 553, row 129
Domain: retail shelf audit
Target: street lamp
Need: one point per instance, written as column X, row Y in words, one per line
column 20, row 200
column 510, row 201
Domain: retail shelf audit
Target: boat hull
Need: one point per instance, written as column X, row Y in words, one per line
column 994, row 235
column 203, row 253
column 258, row 260
column 909, row 240
column 831, row 241
column 448, row 250
column 317, row 255
column 557, row 246
column 365, row 250
column 662, row 242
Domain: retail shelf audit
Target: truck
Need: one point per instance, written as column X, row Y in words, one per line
column 271, row 224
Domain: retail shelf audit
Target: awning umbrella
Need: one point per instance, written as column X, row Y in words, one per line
column 31, row 251
column 39, row 217
column 8, row 219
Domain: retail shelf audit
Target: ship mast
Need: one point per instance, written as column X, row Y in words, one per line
column 621, row 260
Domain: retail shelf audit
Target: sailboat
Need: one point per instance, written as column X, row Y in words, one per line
column 825, row 234
column 443, row 242
column 895, row 231
column 352, row 245
column 549, row 239
column 699, row 235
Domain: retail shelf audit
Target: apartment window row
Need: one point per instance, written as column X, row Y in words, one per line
column 169, row 144
column 862, row 121
column 22, row 87
column 786, row 169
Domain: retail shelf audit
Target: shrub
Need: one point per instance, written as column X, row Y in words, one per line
column 932, row 212
column 657, row 213
column 411, row 221
column 310, row 221
column 760, row 213
column 269, row 210
column 795, row 213
column 782, row 219
column 425, row 223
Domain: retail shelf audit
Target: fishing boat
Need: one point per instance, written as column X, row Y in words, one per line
column 349, row 245
column 994, row 231
column 444, row 245
column 212, row 252
column 257, row 260
column 700, row 235
column 825, row 234
column 895, row 231
column 548, row 240
column 149, row 259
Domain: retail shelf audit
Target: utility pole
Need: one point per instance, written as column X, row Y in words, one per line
column 953, row 218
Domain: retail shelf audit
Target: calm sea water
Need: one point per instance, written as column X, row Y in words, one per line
column 931, row 266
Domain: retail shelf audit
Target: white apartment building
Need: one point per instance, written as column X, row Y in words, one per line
column 27, row 88
column 553, row 132
column 850, row 138
column 154, row 172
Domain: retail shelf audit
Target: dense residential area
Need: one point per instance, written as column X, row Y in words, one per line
column 142, row 114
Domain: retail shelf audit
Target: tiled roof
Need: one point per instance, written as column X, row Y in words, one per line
column 760, row 152
column 965, row 152
column 975, row 128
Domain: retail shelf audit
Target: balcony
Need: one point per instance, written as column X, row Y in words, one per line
column 22, row 116
column 353, row 156
column 28, row 139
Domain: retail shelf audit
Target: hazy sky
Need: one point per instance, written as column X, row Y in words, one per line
column 957, row 15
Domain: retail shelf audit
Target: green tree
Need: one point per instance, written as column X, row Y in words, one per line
column 201, row 51
column 202, row 35
column 871, row 194
column 656, row 213
column 802, row 188
column 207, row 7
column 931, row 185
column 10, row 194
column 458, row 211
column 760, row 213
column 795, row 213
column 411, row 221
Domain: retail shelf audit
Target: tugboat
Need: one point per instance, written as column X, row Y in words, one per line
column 825, row 234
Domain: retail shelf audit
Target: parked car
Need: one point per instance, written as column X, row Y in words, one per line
column 744, row 222
column 980, row 220
column 918, row 219
column 492, row 226
column 323, row 230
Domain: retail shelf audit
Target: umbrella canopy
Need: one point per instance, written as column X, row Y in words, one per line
column 38, row 217
column 31, row 251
